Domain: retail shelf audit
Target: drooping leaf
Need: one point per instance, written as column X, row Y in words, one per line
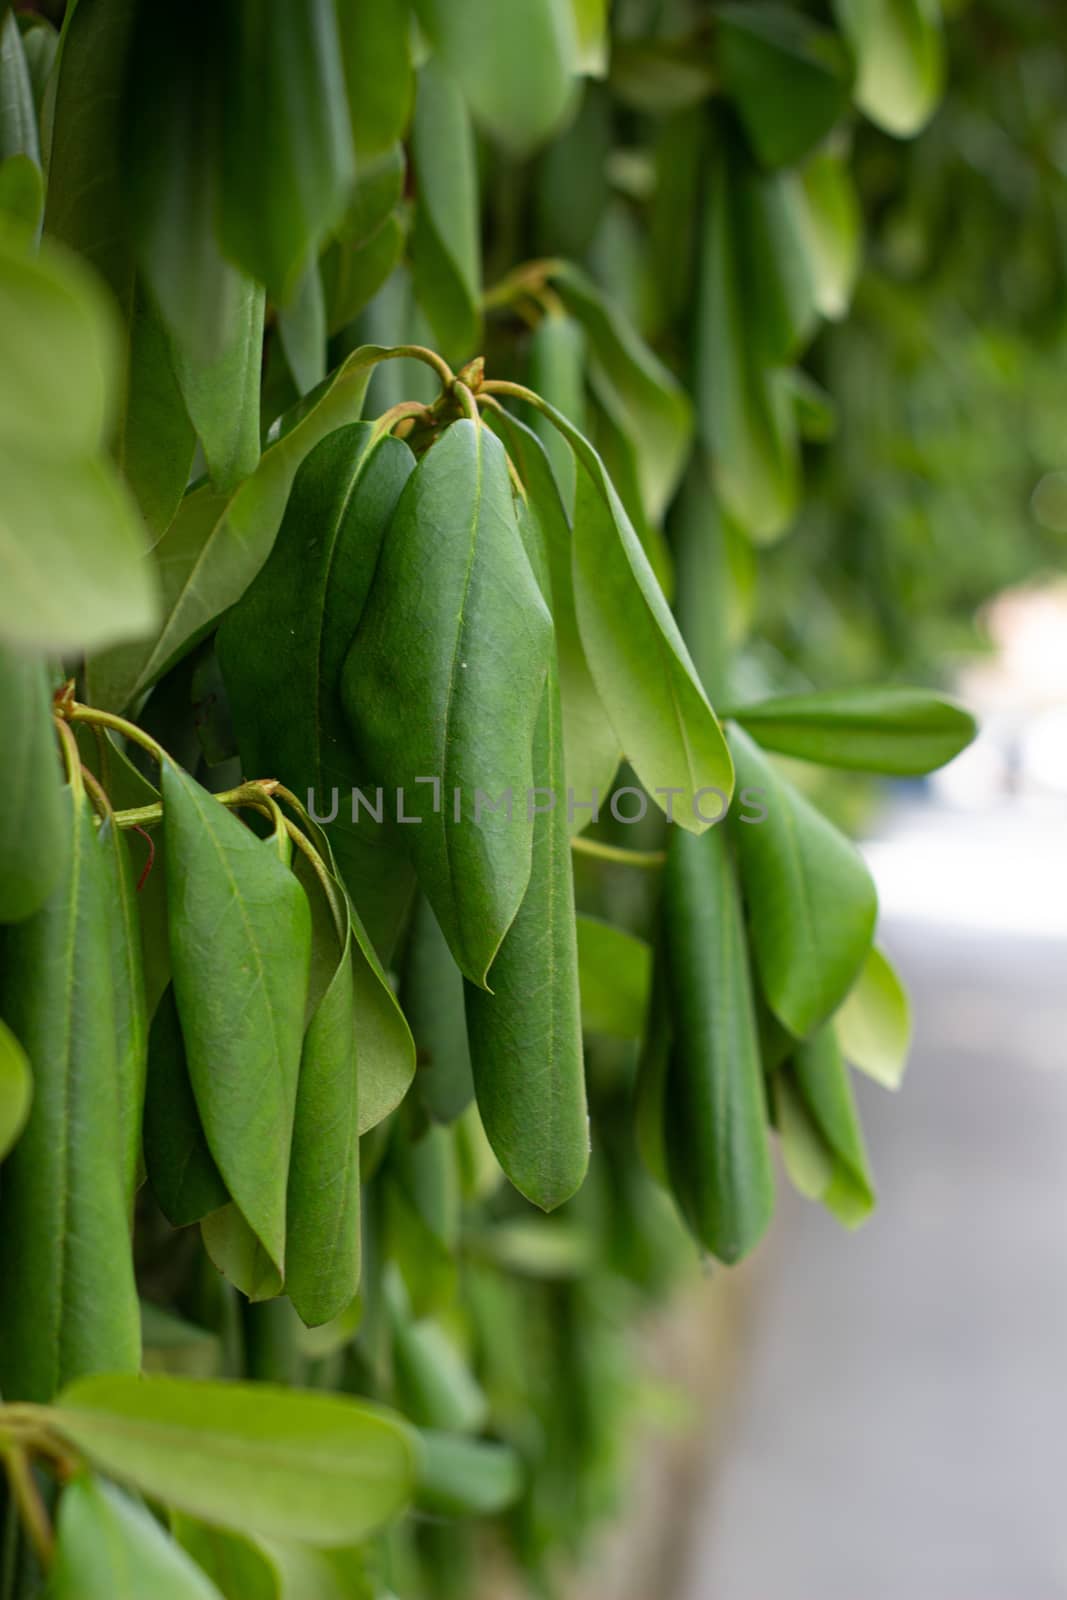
column 240, row 931
column 238, row 1567
column 434, row 1383
column 353, row 272
column 516, row 66
column 779, row 288
column 591, row 21
column 823, row 1082
column 154, row 439
column 34, row 825
column 806, row 1156
column 218, row 542
column 222, row 394
column 261, row 1459
column 811, row 900
column 70, row 540
column 69, row 1304
column 426, row 695
column 873, row 1025
column 715, row 578
column 591, row 750
column 901, row 732
column 557, row 373
column 18, row 114
column 615, row 975
column 282, row 648
column 423, row 1217
column 302, row 330
column 111, row 1548
column 181, row 1169
column 287, row 155
column 460, row 1477
column 832, row 226
column 900, row 60
column 432, row 997
column 636, row 655
column 715, row 1112
column 653, row 403
column 653, row 1064
column 788, row 77
column 127, row 980
column 525, row 1026
column 21, row 194
column 240, row 1254
column 376, row 50
column 16, row 1089
column 446, row 242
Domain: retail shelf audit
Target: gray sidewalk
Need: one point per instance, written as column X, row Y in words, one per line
column 901, row 1432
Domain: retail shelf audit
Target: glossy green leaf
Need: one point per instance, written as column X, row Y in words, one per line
column 34, row 821
column 899, row 57
column 516, row 66
column 745, row 416
column 264, row 1460
column 287, row 156
column 452, row 691
column 806, row 1156
column 653, row 403
column 218, row 542
column 302, row 330
column 16, row 1089
column 376, row 50
column 240, row 1255
column 461, row 1477
column 109, row 1547
column 717, row 1153
column 446, row 242
column 18, row 114
column 591, row 750
column 69, row 1301
column 154, row 439
column 525, row 1027
column 222, row 394
column 902, row 732
column 615, row 974
column 353, row 273
column 832, row 226
column 811, row 901
column 181, row 1169
column 823, row 1081
column 788, row 78
column 127, row 979
column 431, row 994
column 873, row 1025
column 323, row 1245
column 240, row 931
column 282, row 648
column 557, row 368
column 636, row 655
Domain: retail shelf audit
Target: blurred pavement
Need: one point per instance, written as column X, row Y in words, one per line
column 900, row 1432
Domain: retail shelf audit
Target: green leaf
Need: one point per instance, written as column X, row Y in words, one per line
column 431, row 993
column 516, row 66
column 807, row 1158
column 16, row 1089
column 238, row 1567
column 21, row 193
column 715, row 577
column 557, row 371
column 461, row 1477
column 615, row 975
column 638, row 660
column 812, row 904
column 110, row 1548
column 744, row 413
column 525, row 1032
column 873, row 1024
column 591, row 751
column 282, row 648
column 264, row 1460
column 287, row 157
column 446, row 242
column 18, row 114
column 154, row 439
column 900, row 60
column 34, row 821
column 652, row 1068
column 832, row 226
column 376, row 51
column 653, row 403
column 779, row 288
column 302, row 330
column 323, row 1246
column 825, row 1086
column 353, row 273
column 181, row 1169
column 422, row 1216
column 69, row 1301
column 127, row 978
column 591, row 21
column 715, row 1112
column 218, row 542
column 426, row 697
column 222, row 394
column 789, row 78
column 902, row 732
column 240, row 1255
column 434, row 1384
column 240, row 932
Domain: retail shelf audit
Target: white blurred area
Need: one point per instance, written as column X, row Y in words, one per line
column 989, row 852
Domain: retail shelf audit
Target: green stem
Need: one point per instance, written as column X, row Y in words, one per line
column 419, row 352
column 75, row 712
column 31, row 1507
column 647, row 860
